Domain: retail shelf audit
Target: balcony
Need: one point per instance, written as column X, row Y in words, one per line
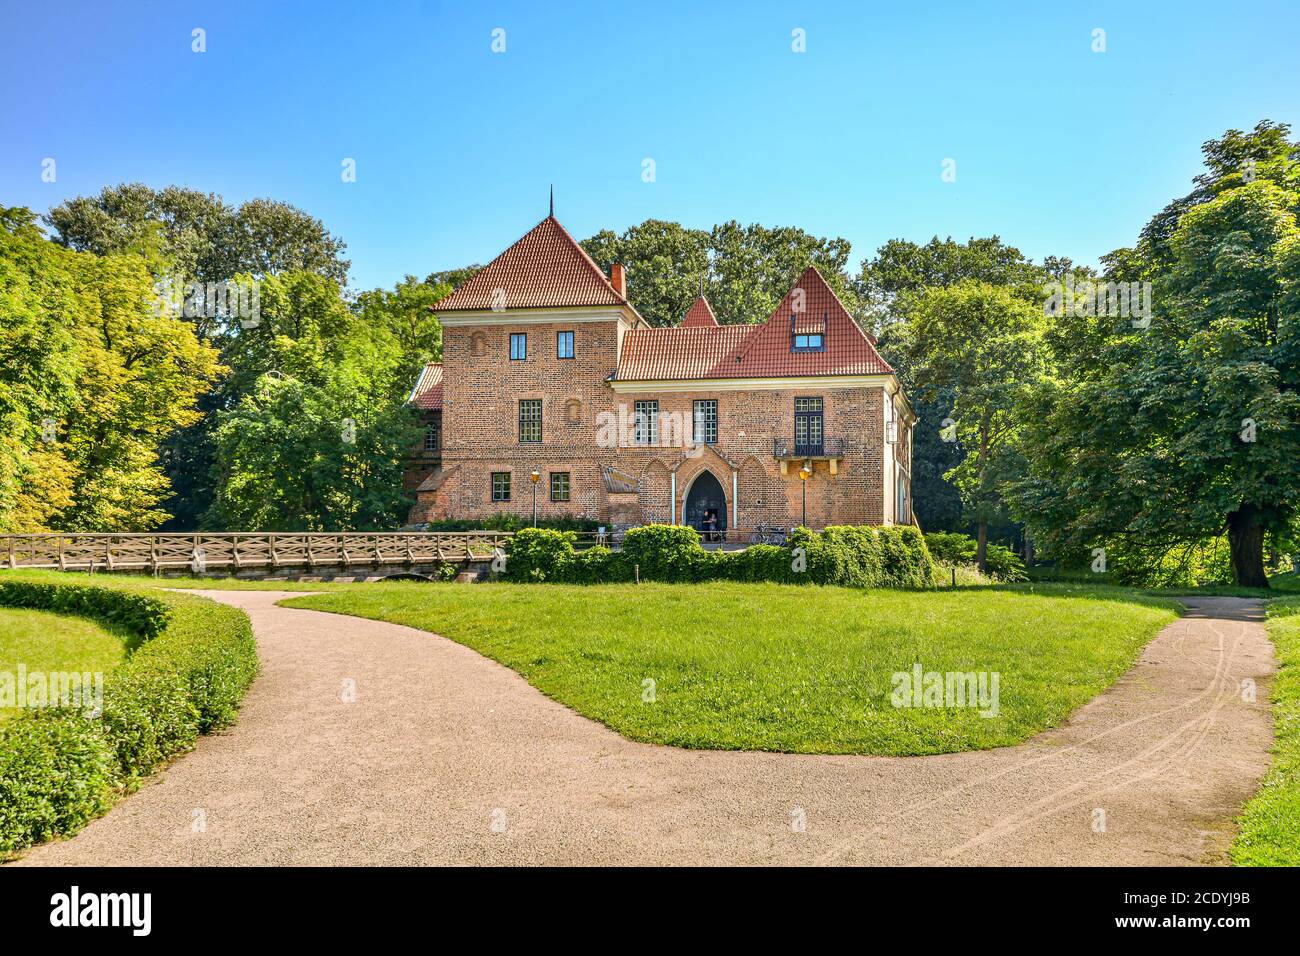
column 786, row 450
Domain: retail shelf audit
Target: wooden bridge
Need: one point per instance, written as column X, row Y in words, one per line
column 257, row 554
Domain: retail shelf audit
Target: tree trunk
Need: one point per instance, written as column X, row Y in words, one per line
column 1246, row 539
column 982, row 546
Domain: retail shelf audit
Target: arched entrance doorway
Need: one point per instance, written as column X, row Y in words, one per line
column 705, row 499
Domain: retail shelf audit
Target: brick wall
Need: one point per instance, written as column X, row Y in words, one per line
column 481, row 392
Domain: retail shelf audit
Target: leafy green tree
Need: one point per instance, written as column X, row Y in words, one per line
column 891, row 284
column 1157, row 438
column 94, row 374
column 984, row 345
column 313, row 430
column 199, row 235
column 744, row 270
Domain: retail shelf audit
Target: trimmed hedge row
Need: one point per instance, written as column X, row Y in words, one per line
column 849, row 556
column 60, row 767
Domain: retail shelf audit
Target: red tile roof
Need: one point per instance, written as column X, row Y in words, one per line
column 699, row 314
column 427, row 394
column 545, row 269
column 696, row 352
column 757, row 351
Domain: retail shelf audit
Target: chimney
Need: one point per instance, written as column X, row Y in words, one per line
column 618, row 279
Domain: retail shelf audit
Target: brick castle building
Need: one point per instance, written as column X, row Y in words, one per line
column 547, row 368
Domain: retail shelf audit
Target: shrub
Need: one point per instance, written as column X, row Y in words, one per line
column 1004, row 564
column 505, row 521
column 61, row 768
column 953, row 548
column 58, row 771
column 848, row 556
column 136, row 613
column 539, row 554
column 596, row 565
column 665, row 552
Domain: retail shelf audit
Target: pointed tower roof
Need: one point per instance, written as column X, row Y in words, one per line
column 544, row 269
column 700, row 314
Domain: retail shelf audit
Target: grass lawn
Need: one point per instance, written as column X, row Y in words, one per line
column 46, row 642
column 786, row 668
column 1269, row 833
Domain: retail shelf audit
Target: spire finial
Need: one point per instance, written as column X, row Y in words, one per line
column 552, row 200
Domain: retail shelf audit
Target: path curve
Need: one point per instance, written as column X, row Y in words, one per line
column 446, row 757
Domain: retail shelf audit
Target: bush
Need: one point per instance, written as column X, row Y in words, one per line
column 665, row 552
column 136, row 613
column 538, row 554
column 58, row 771
column 505, row 521
column 953, row 548
column 1004, row 564
column 61, row 768
column 848, row 556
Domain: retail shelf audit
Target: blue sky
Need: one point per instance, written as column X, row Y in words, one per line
column 1058, row 149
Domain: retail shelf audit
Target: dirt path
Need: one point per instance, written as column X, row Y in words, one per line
column 446, row 757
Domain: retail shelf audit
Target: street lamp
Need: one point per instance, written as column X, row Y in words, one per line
column 535, row 477
column 804, row 474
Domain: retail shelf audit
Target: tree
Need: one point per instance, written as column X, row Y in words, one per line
column 198, row 235
column 891, row 284
column 1167, row 436
column 985, row 345
column 94, row 374
column 744, row 270
column 312, row 429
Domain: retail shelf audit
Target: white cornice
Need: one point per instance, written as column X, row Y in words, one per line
column 752, row 384
column 537, row 316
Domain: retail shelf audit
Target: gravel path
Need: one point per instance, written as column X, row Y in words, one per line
column 446, row 757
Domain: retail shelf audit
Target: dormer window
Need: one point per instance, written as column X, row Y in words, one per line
column 807, row 335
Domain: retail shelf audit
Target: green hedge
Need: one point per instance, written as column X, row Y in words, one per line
column 849, row 556
column 60, row 767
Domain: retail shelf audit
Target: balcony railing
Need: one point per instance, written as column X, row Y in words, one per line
column 789, row 448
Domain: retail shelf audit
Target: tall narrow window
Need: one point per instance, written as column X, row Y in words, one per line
column 564, row 345
column 706, row 421
column 530, row 420
column 807, row 426
column 500, row 486
column 645, row 423
column 518, row 346
column 559, row 486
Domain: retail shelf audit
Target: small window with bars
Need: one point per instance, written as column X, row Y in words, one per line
column 433, row 436
column 706, row 421
column 530, row 420
column 559, row 486
column 645, row 423
column 500, row 486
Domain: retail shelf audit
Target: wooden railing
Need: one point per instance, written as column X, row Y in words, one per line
column 234, row 551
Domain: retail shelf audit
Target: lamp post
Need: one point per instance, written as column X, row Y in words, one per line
column 535, row 477
column 804, row 474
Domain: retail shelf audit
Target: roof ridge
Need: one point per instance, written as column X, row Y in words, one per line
column 577, row 247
